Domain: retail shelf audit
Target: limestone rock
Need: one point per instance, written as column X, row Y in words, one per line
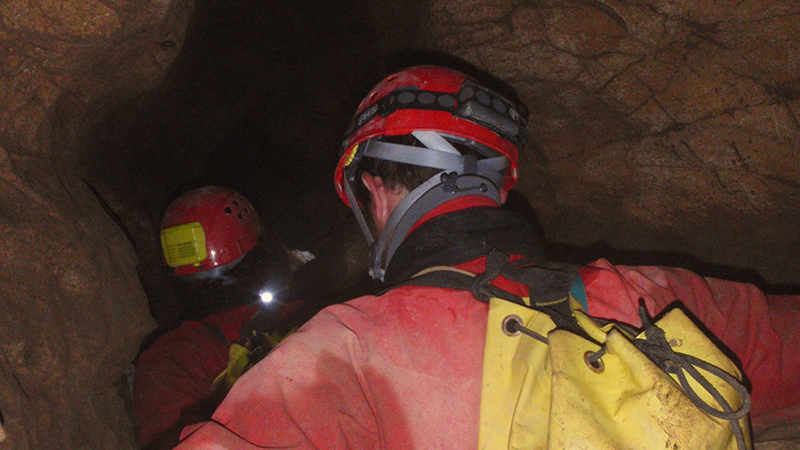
column 73, row 310
column 657, row 126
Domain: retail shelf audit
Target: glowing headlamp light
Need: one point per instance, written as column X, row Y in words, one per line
column 266, row 297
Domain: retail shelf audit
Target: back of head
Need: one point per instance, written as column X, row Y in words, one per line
column 436, row 132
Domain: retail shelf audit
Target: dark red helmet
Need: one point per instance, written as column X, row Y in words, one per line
column 469, row 133
column 208, row 228
column 433, row 98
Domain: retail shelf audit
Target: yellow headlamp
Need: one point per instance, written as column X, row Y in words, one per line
column 184, row 244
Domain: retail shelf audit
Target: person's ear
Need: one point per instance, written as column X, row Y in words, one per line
column 380, row 207
column 503, row 196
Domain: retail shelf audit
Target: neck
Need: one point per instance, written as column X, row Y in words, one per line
column 437, row 191
column 472, row 201
column 460, row 236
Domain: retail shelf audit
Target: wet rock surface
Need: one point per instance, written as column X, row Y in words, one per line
column 72, row 306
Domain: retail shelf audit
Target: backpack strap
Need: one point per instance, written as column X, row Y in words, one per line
column 217, row 333
column 549, row 285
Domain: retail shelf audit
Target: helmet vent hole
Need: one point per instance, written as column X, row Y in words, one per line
column 246, row 211
column 228, row 210
column 240, row 216
column 235, row 203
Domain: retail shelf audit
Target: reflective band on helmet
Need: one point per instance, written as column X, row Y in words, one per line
column 473, row 102
column 184, row 244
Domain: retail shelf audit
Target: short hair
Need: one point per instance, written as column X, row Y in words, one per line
column 400, row 175
column 394, row 175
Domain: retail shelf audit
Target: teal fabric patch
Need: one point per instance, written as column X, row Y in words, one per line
column 578, row 290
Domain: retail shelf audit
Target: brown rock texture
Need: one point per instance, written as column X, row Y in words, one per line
column 658, row 126
column 73, row 310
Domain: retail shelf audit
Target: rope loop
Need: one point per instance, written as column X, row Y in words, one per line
column 656, row 347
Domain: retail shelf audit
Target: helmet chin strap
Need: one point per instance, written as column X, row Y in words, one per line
column 439, row 189
column 351, row 197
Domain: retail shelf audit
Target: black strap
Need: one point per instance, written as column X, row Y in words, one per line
column 217, row 333
column 472, row 102
column 549, row 285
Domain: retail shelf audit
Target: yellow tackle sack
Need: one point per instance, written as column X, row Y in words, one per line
column 669, row 387
column 556, row 378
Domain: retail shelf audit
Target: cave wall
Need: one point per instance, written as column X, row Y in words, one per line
column 72, row 307
column 658, row 127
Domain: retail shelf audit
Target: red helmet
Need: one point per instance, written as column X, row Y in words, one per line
column 208, row 228
column 439, row 107
column 432, row 98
